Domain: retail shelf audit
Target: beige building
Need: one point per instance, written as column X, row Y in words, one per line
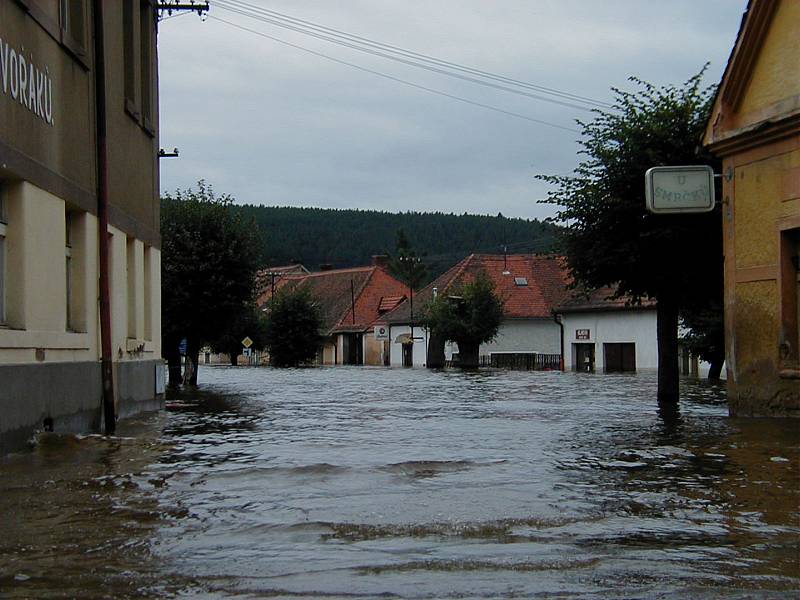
column 50, row 332
column 755, row 129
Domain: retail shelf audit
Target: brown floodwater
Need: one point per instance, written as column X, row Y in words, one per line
column 391, row 483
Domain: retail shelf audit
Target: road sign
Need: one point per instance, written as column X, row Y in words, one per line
column 247, row 342
column 688, row 189
column 182, row 346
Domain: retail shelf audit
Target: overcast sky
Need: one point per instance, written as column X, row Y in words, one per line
column 272, row 124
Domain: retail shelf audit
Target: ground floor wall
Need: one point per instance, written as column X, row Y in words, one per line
column 762, row 279
column 67, row 397
column 593, row 330
column 542, row 336
column 49, row 315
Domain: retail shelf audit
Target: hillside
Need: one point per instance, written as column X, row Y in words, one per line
column 344, row 238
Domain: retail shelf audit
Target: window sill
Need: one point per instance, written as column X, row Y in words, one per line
column 789, row 374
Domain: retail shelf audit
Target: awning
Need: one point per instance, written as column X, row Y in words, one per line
column 404, row 338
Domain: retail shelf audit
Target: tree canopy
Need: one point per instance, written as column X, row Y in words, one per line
column 470, row 316
column 348, row 238
column 208, row 265
column 292, row 334
column 608, row 236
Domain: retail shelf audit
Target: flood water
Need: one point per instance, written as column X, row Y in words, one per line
column 368, row 482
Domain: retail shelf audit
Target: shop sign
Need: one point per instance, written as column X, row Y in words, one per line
column 26, row 82
column 679, row 189
column 582, row 334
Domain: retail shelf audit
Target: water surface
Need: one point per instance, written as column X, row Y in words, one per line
column 367, row 482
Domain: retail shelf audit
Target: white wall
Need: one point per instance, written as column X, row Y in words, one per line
column 526, row 335
column 420, row 345
column 637, row 326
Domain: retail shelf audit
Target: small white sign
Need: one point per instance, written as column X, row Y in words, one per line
column 161, row 378
column 688, row 189
column 381, row 332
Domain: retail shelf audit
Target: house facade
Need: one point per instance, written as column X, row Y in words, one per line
column 602, row 334
column 530, row 286
column 350, row 302
column 754, row 128
column 52, row 328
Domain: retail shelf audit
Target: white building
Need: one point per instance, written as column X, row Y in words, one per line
column 530, row 287
column 607, row 335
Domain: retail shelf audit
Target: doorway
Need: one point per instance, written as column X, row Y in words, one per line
column 408, row 355
column 583, row 357
column 353, row 349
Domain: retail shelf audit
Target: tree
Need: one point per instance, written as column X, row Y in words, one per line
column 251, row 323
column 706, row 335
column 208, row 265
column 609, row 238
column 469, row 316
column 405, row 264
column 292, row 334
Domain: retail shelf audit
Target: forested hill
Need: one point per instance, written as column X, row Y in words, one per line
column 345, row 238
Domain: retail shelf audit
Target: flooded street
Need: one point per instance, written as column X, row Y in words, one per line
column 361, row 482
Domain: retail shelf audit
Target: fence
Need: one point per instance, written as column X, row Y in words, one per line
column 522, row 361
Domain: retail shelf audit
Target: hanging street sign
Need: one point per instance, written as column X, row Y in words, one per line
column 670, row 190
column 247, row 342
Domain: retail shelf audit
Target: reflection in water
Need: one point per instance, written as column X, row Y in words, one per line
column 408, row 483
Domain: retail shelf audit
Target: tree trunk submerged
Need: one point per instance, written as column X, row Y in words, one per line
column 468, row 355
column 715, row 370
column 667, row 333
column 435, row 358
column 173, row 355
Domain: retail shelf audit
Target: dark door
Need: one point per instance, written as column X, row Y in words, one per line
column 583, row 355
column 619, row 357
column 408, row 355
column 353, row 349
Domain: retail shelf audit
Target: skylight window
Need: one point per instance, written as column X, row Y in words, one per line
column 521, row 281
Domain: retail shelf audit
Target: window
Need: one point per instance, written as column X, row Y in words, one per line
column 127, row 51
column 521, row 281
column 72, row 15
column 68, row 268
column 147, row 23
column 3, row 230
column 133, row 292
column 148, row 293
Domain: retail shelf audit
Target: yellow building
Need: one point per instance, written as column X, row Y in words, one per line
column 51, row 337
column 755, row 129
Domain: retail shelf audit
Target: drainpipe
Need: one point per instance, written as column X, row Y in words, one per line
column 560, row 323
column 102, row 220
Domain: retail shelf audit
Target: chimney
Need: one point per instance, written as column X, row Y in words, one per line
column 380, row 260
column 326, row 267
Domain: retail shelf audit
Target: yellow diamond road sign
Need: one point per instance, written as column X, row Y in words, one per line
column 247, row 342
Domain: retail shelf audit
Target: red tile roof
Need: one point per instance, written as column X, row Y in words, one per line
column 546, row 277
column 389, row 303
column 600, row 300
column 335, row 290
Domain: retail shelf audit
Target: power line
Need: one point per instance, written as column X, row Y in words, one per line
column 408, row 57
column 393, row 78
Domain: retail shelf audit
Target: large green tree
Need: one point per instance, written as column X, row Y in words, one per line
column 292, row 334
column 609, row 238
column 208, row 267
column 251, row 323
column 469, row 315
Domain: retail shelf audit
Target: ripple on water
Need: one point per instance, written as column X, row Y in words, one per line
column 353, row 482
